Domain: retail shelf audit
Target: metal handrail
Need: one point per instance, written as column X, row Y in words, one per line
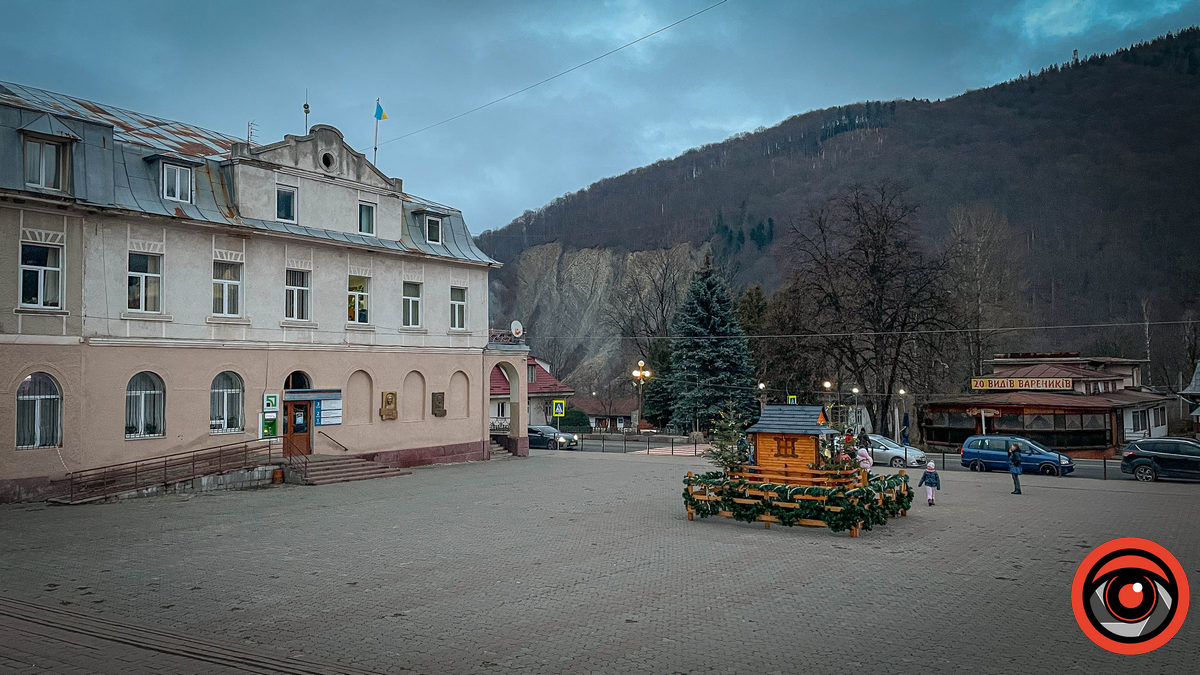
column 170, row 468
column 343, row 447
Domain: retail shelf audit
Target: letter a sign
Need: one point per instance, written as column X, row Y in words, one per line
column 560, row 408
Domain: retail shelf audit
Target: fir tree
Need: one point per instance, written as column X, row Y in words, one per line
column 658, row 396
column 707, row 372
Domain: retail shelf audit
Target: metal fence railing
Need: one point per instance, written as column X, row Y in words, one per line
column 166, row 469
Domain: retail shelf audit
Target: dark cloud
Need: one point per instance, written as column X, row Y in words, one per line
column 742, row 65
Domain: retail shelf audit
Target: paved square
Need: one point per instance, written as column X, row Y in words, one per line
column 582, row 562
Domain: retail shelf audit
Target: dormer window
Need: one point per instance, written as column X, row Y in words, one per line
column 433, row 229
column 285, row 204
column 177, row 183
column 366, row 218
column 43, row 164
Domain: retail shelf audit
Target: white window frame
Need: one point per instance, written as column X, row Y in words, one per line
column 358, row 302
column 434, row 219
column 176, row 176
column 410, row 314
column 60, row 157
column 142, row 283
column 458, row 309
column 225, row 285
column 371, row 210
column 41, row 271
column 41, row 402
column 297, row 297
column 141, row 399
column 295, row 203
column 226, row 399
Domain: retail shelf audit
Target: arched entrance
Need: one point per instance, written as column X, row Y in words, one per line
column 508, row 414
column 297, row 416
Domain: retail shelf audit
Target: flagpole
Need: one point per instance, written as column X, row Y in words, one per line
column 375, row 154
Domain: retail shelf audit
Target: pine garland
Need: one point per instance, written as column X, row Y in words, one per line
column 869, row 505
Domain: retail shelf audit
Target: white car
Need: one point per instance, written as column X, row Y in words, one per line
column 886, row 451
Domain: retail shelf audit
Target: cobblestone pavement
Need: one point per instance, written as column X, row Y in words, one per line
column 584, row 562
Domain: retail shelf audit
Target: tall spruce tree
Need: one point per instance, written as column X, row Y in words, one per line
column 708, row 373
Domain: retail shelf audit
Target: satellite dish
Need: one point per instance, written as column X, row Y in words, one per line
column 517, row 329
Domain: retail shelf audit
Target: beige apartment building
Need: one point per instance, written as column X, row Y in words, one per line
column 175, row 288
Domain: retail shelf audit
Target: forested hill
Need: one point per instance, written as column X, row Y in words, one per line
column 1096, row 162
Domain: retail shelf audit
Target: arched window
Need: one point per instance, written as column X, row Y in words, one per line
column 225, row 406
column 39, row 412
column 145, row 406
column 297, row 379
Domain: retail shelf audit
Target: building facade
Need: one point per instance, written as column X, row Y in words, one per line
column 167, row 281
column 1083, row 406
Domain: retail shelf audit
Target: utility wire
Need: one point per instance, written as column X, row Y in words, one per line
column 554, row 77
column 923, row 331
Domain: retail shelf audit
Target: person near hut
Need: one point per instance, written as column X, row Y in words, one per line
column 863, row 440
column 931, row 481
column 1014, row 466
column 864, row 458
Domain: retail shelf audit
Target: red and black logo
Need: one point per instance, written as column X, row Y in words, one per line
column 1130, row 596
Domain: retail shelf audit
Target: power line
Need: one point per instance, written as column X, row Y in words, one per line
column 554, row 77
column 923, row 331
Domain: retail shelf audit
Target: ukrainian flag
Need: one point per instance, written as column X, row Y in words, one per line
column 379, row 114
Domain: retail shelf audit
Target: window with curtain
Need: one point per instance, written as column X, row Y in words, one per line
column 39, row 412
column 225, row 406
column 145, row 406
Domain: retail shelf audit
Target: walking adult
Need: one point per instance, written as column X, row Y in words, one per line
column 864, row 441
column 1014, row 466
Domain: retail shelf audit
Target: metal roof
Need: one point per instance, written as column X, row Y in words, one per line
column 1194, row 386
column 790, row 419
column 142, row 140
column 128, row 126
column 1054, row 370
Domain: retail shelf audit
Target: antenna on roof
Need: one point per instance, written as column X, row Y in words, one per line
column 250, row 132
column 306, row 110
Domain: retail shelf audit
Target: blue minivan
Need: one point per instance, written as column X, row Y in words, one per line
column 990, row 453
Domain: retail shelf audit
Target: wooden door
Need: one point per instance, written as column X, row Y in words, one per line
column 297, row 425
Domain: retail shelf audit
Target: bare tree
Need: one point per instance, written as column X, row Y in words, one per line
column 983, row 267
column 643, row 302
column 865, row 292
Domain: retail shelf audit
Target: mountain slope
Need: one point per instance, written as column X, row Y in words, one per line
column 1097, row 163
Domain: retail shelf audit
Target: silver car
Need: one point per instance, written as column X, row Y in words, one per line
column 886, row 451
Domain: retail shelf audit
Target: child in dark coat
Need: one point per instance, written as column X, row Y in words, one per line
column 931, row 481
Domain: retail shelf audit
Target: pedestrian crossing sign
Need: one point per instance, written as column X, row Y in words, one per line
column 791, row 399
column 560, row 408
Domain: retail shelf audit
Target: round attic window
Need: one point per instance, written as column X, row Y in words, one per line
column 328, row 161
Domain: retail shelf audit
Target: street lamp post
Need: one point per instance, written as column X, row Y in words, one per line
column 854, row 391
column 640, row 375
column 896, row 417
column 762, row 397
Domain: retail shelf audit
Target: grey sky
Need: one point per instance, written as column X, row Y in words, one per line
column 745, row 64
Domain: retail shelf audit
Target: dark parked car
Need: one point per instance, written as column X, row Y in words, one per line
column 990, row 453
column 1152, row 458
column 551, row 438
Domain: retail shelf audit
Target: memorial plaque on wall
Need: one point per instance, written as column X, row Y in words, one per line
column 439, row 404
column 388, row 407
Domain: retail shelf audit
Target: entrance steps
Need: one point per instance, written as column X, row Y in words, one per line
column 498, row 451
column 326, row 469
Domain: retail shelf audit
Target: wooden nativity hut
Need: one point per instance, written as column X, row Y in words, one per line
column 788, row 436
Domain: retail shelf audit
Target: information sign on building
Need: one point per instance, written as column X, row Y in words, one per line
column 327, row 411
column 1026, row 383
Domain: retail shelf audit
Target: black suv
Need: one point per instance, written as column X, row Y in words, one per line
column 1151, row 458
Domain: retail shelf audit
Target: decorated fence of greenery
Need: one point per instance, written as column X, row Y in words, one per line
column 838, row 507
